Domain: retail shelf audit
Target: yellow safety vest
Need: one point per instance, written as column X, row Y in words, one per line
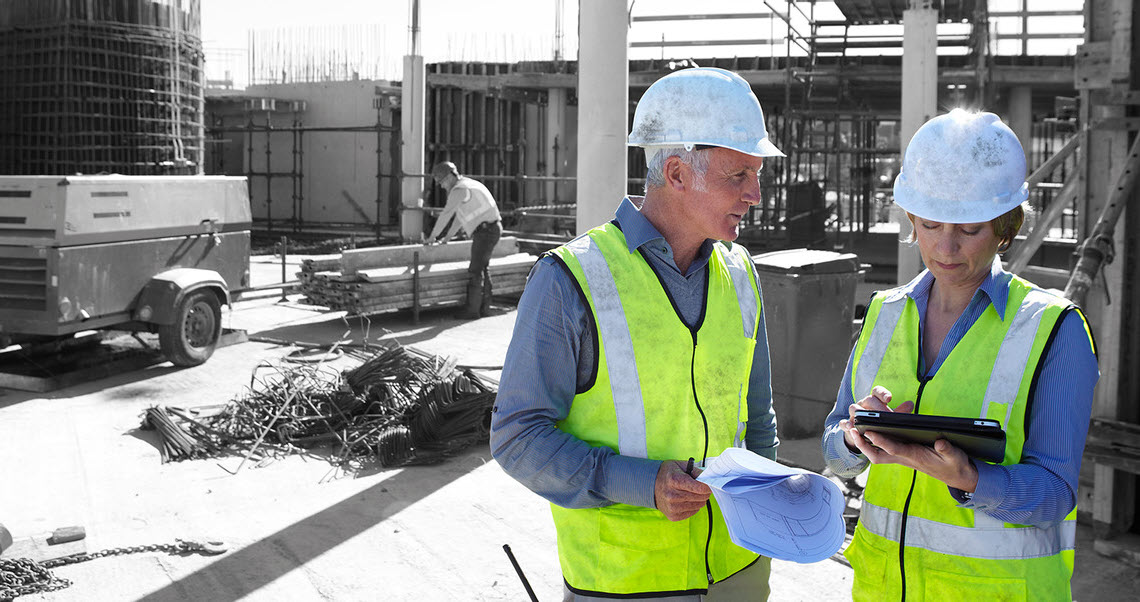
column 661, row 392
column 477, row 206
column 948, row 552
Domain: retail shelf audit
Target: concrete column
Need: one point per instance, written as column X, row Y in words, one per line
column 556, row 143
column 1020, row 118
column 919, row 104
column 414, row 89
column 603, row 109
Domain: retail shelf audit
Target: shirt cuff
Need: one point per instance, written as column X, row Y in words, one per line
column 631, row 480
column 839, row 458
column 990, row 491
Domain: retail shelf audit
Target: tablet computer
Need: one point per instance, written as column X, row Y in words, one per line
column 981, row 438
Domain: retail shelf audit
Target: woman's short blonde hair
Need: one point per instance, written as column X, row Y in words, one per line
column 1005, row 226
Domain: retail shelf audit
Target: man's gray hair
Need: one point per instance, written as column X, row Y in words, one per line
column 655, row 158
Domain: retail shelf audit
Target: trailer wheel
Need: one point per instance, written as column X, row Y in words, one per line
column 191, row 339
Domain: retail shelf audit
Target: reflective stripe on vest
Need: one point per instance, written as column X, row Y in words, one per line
column 614, row 332
column 1014, row 353
column 872, row 358
column 737, row 263
column 991, row 543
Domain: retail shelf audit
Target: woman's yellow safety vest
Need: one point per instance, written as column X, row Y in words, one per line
column 663, row 392
column 913, row 541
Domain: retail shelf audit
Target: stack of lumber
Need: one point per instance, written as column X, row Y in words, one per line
column 365, row 281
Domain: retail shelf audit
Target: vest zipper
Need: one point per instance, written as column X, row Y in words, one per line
column 906, row 505
column 704, row 453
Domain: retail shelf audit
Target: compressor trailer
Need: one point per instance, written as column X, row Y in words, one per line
column 138, row 253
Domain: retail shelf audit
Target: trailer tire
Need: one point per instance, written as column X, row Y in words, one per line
column 191, row 339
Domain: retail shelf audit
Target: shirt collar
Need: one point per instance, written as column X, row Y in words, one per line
column 995, row 287
column 640, row 231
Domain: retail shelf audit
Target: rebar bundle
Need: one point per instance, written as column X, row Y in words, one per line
column 395, row 407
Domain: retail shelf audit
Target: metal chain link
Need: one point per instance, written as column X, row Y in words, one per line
column 23, row 576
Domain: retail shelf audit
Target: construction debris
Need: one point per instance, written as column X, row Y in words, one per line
column 394, row 407
column 373, row 280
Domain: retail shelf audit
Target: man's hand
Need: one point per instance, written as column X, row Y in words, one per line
column 678, row 495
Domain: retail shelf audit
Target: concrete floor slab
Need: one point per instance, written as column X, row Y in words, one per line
column 295, row 529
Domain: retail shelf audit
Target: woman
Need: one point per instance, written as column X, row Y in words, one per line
column 966, row 338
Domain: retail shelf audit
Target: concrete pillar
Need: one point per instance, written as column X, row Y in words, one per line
column 556, row 143
column 919, row 103
column 603, row 109
column 414, row 91
column 1020, row 118
column 412, row 108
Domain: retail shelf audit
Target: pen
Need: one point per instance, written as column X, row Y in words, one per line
column 689, row 468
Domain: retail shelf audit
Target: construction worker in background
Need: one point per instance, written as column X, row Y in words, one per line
column 966, row 338
column 639, row 350
column 471, row 207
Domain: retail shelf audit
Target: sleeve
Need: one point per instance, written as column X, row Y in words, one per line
column 760, row 436
column 838, row 457
column 538, row 385
column 449, row 209
column 1042, row 488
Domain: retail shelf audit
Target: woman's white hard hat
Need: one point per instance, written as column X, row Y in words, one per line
column 962, row 168
column 702, row 106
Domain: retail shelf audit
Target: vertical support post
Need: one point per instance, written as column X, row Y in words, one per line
column 919, row 103
column 1020, row 119
column 284, row 278
column 603, row 109
column 416, row 287
column 269, row 167
column 1111, row 299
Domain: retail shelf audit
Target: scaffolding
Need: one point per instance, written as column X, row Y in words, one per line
column 101, row 87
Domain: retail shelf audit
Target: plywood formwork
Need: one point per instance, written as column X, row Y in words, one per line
column 90, row 87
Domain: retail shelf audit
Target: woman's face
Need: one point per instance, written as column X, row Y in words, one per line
column 956, row 254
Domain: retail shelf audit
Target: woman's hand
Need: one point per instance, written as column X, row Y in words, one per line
column 944, row 461
column 878, row 401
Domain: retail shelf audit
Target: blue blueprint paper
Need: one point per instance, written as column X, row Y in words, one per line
column 776, row 510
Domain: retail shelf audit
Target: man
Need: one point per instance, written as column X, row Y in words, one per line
column 471, row 207
column 641, row 345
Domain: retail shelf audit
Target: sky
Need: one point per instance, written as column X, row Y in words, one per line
column 374, row 34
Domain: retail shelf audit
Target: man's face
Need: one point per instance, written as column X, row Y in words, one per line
column 718, row 202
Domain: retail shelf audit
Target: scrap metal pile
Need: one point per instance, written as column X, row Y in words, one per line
column 394, row 407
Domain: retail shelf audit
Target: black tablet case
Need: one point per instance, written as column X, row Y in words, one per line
column 982, row 439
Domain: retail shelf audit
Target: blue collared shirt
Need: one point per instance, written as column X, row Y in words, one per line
column 550, row 359
column 1042, row 488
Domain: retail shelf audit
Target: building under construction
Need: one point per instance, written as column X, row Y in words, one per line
column 119, row 86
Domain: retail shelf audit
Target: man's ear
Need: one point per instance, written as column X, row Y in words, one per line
column 676, row 173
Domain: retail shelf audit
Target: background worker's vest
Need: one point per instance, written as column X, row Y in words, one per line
column 661, row 392
column 953, row 553
column 478, row 208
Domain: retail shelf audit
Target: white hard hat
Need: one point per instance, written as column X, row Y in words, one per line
column 962, row 168
column 702, row 106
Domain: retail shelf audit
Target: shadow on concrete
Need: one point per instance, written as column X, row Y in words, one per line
column 11, row 397
column 243, row 572
column 380, row 329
